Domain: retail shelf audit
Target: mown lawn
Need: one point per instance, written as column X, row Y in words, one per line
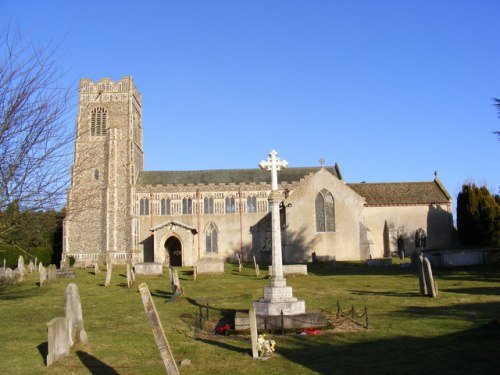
column 409, row 334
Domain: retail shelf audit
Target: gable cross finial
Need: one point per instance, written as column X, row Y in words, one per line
column 322, row 161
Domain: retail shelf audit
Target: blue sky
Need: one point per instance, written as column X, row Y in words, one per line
column 391, row 90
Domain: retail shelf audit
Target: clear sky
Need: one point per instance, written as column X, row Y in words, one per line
column 391, row 90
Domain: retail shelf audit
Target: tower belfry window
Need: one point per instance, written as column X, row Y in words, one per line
column 98, row 121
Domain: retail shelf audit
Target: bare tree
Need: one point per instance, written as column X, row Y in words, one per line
column 497, row 104
column 35, row 136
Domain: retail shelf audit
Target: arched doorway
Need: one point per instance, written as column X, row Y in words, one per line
column 174, row 248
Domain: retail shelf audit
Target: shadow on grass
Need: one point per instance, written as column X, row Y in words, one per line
column 94, row 365
column 385, row 294
column 343, row 268
column 474, row 351
column 43, row 348
column 489, row 291
column 465, row 311
column 225, row 345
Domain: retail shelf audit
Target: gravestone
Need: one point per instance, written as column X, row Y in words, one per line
column 240, row 267
column 18, row 276
column 73, row 309
column 31, row 266
column 257, row 270
column 429, row 279
column 158, row 333
column 58, row 340
column 292, row 269
column 51, row 273
column 9, row 276
column 2, row 275
column 40, row 265
column 42, row 272
column 194, row 272
column 20, row 266
column 96, row 268
column 109, row 271
column 4, row 264
column 130, row 281
column 253, row 331
column 36, row 262
column 421, row 273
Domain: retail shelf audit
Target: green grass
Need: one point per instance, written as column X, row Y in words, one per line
column 409, row 333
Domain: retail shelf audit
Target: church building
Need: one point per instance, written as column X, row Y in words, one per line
column 118, row 212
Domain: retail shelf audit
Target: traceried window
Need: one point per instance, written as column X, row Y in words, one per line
column 208, row 205
column 98, row 121
column 165, row 206
column 252, row 204
column 325, row 211
column 187, row 206
column 144, row 206
column 211, row 238
column 230, row 205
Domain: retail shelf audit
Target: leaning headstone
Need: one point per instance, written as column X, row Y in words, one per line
column 109, row 271
column 73, row 309
column 176, row 286
column 421, row 273
column 257, row 271
column 58, row 340
column 429, row 279
column 253, row 331
column 240, row 267
column 158, row 333
column 129, row 276
column 42, row 272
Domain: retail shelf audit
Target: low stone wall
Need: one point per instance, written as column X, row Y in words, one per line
column 148, row 269
column 381, row 262
column 291, row 269
column 209, row 265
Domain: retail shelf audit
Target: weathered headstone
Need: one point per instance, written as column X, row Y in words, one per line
column 109, row 271
column 18, row 276
column 421, row 273
column 194, row 272
column 9, row 276
column 2, row 275
column 36, row 262
column 240, row 266
column 253, row 331
column 42, row 272
column 58, row 340
column 158, row 333
column 51, row 273
column 429, row 279
column 257, row 270
column 40, row 265
column 73, row 309
column 4, row 264
column 20, row 266
column 31, row 266
column 176, row 286
column 129, row 276
column 96, row 268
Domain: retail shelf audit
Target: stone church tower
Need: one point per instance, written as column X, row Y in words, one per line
column 100, row 222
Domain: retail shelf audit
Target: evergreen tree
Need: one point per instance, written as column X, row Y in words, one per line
column 478, row 216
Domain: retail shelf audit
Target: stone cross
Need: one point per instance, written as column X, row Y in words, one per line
column 273, row 164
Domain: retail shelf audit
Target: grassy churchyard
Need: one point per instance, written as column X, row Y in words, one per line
column 457, row 333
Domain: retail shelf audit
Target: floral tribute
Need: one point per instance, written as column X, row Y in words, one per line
column 265, row 346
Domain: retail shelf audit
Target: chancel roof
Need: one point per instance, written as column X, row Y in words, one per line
column 402, row 193
column 227, row 176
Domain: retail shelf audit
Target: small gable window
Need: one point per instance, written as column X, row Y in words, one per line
column 98, row 121
column 325, row 211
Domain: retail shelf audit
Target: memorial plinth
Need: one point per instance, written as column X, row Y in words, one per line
column 278, row 297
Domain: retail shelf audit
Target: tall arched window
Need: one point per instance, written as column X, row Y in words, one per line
column 252, row 204
column 98, row 121
column 187, row 206
column 211, row 238
column 165, row 206
column 208, row 205
column 230, row 205
column 325, row 211
column 144, row 206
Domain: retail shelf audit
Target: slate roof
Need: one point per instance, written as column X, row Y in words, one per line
column 402, row 193
column 226, row 176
